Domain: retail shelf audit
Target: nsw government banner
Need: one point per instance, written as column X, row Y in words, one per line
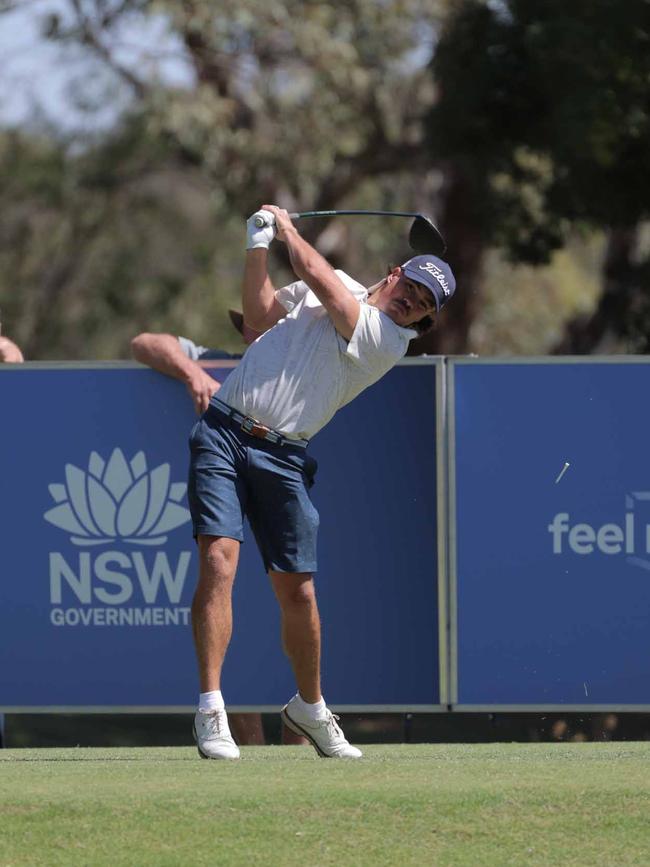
column 98, row 564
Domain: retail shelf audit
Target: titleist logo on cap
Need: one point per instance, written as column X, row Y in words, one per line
column 433, row 269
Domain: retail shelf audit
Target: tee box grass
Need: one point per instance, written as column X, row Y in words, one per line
column 496, row 804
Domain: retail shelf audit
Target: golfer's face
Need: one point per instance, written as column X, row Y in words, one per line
column 406, row 302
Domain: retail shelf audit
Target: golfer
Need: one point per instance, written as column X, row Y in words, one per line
column 323, row 340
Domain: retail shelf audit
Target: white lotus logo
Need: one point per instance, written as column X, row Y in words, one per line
column 117, row 500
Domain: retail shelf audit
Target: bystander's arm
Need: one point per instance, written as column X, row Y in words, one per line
column 163, row 353
column 9, row 352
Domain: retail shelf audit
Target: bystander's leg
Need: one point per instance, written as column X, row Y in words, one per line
column 247, row 729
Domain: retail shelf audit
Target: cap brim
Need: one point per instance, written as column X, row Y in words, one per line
column 237, row 320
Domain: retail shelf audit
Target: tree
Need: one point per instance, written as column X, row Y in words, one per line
column 290, row 101
column 301, row 103
column 544, row 118
column 89, row 250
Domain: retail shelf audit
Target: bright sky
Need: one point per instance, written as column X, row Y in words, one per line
column 47, row 83
column 38, row 78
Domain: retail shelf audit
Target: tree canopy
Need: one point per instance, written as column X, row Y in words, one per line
column 546, row 107
column 513, row 122
column 303, row 104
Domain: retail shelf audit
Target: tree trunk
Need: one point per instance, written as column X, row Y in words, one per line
column 623, row 313
column 465, row 248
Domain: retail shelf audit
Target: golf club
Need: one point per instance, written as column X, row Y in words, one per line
column 424, row 237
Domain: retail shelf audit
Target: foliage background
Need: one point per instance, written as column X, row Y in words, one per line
column 521, row 126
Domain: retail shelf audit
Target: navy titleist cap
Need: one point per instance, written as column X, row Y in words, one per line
column 433, row 273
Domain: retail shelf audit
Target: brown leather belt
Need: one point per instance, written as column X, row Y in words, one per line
column 255, row 428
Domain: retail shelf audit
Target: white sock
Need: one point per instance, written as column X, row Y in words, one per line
column 211, row 700
column 313, row 711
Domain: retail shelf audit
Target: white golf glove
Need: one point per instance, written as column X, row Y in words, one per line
column 260, row 236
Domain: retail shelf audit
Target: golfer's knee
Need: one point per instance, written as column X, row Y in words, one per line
column 218, row 563
column 218, row 555
column 301, row 595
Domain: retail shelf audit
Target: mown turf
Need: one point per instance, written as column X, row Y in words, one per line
column 569, row 804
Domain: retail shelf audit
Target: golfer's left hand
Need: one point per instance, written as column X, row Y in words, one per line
column 259, row 237
column 283, row 222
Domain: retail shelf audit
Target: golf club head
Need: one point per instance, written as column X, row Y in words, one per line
column 425, row 238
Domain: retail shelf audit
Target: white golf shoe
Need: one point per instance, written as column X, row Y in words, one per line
column 324, row 734
column 212, row 735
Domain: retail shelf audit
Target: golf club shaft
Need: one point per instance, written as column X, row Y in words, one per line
column 259, row 221
column 424, row 237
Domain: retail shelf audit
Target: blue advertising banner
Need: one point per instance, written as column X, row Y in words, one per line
column 98, row 565
column 550, row 518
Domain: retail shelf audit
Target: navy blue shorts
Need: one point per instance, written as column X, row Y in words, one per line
column 235, row 475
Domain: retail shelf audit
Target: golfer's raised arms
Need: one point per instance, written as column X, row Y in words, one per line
column 308, row 264
column 260, row 308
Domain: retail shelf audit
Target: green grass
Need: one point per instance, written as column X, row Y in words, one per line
column 497, row 804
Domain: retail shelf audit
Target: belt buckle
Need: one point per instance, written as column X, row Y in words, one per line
column 254, row 428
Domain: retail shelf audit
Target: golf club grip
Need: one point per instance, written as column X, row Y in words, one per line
column 260, row 221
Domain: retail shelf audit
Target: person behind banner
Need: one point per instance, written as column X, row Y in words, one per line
column 10, row 352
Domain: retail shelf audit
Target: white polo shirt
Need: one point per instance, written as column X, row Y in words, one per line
column 299, row 373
